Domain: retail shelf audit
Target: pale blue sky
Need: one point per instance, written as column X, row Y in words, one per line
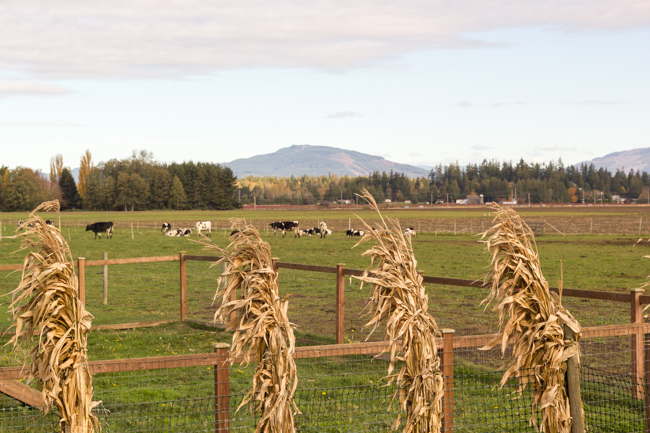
column 416, row 84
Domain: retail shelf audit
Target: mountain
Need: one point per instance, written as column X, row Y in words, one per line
column 635, row 159
column 316, row 161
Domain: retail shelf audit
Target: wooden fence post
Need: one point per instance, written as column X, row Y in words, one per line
column 573, row 387
column 274, row 264
column 646, row 382
column 340, row 303
column 636, row 313
column 105, row 287
column 221, row 389
column 82, row 280
column 448, row 378
column 183, row 272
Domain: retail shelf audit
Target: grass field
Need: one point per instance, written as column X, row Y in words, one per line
column 146, row 292
column 149, row 292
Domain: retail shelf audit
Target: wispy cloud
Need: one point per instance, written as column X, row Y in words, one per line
column 170, row 38
column 481, row 147
column 464, row 104
column 343, row 115
column 33, row 88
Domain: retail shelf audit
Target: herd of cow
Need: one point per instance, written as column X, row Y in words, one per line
column 206, row 226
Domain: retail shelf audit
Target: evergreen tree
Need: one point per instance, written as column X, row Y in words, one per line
column 177, row 197
column 69, row 194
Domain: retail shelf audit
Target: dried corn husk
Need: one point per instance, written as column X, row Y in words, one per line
column 46, row 306
column 398, row 297
column 531, row 318
column 260, row 326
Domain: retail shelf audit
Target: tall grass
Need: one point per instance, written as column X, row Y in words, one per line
column 46, row 307
column 531, row 318
column 260, row 326
column 398, row 298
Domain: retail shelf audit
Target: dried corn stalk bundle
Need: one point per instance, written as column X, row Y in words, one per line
column 260, row 326
column 46, row 306
column 531, row 318
column 398, row 296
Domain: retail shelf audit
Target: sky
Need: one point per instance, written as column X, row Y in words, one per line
column 416, row 82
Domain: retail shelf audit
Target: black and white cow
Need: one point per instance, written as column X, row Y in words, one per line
column 203, row 226
column 353, row 232
column 99, row 228
column 283, row 226
column 322, row 228
column 410, row 231
column 165, row 228
column 49, row 222
column 175, row 233
column 187, row 232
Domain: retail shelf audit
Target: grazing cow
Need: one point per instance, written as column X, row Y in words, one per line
column 322, row 228
column 165, row 228
column 205, row 226
column 99, row 228
column 354, row 232
column 49, row 222
column 286, row 225
column 410, row 231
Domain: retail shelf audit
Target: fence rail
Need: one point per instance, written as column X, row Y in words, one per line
column 635, row 297
column 223, row 393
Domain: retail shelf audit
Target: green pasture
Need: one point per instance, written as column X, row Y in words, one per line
column 333, row 213
column 150, row 292
column 331, row 389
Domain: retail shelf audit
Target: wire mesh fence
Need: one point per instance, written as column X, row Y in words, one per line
column 340, row 391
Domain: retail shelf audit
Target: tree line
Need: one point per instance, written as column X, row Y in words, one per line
column 140, row 183
column 135, row 183
column 551, row 182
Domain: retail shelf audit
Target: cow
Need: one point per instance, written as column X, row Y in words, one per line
column 353, row 232
column 49, row 222
column 205, row 226
column 234, row 232
column 101, row 227
column 22, row 225
column 165, row 228
column 186, row 232
column 174, row 232
column 410, row 231
column 283, row 226
column 322, row 228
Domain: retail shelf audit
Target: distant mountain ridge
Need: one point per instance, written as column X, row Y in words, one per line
column 634, row 159
column 301, row 159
